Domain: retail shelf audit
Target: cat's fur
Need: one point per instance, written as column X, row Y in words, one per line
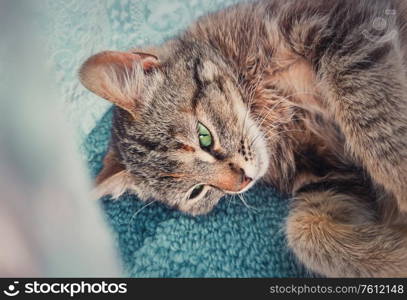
column 324, row 87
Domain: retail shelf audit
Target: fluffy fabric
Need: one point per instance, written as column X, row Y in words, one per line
column 234, row 240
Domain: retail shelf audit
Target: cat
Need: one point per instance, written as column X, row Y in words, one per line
column 309, row 96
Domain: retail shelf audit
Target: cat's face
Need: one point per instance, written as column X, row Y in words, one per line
column 191, row 138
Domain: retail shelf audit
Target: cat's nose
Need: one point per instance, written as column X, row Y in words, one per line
column 230, row 178
column 246, row 180
column 242, row 178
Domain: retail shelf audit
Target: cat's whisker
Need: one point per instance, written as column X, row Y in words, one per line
column 244, row 133
column 232, row 197
column 260, row 134
column 241, row 197
column 245, row 130
column 268, row 137
column 272, row 138
column 270, row 109
column 255, row 138
column 280, row 124
column 137, row 212
column 282, row 132
column 285, row 99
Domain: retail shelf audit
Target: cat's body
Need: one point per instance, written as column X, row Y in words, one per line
column 324, row 86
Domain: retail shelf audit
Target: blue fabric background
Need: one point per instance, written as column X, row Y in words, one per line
column 232, row 241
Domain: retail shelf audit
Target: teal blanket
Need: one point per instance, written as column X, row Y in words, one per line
column 234, row 240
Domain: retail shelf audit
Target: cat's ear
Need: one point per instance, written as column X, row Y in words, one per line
column 115, row 185
column 118, row 76
column 113, row 179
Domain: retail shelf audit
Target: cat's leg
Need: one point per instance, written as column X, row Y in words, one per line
column 336, row 234
column 361, row 74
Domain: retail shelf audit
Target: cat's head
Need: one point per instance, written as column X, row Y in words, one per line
column 182, row 133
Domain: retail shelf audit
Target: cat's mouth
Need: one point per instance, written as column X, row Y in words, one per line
column 245, row 189
column 259, row 171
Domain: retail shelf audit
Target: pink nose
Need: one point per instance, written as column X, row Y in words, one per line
column 245, row 181
column 231, row 178
column 242, row 179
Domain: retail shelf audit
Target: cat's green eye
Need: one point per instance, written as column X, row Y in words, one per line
column 205, row 137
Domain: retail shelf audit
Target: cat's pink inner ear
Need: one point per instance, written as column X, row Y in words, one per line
column 111, row 166
column 149, row 60
column 118, row 77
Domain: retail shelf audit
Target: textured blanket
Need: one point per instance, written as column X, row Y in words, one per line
column 237, row 239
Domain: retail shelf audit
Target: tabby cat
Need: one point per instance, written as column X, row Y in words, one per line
column 308, row 95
